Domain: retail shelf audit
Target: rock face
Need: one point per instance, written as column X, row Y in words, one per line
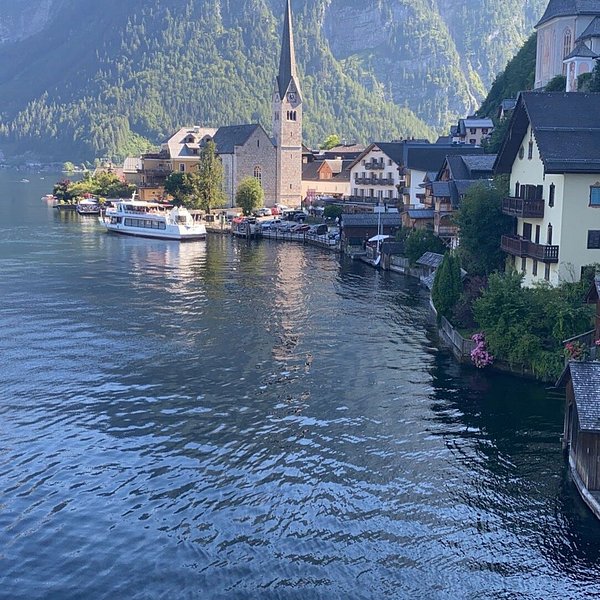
column 20, row 19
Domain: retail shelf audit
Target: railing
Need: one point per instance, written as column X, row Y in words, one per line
column 374, row 165
column 521, row 247
column 585, row 341
column 526, row 209
column 374, row 181
column 446, row 230
column 157, row 172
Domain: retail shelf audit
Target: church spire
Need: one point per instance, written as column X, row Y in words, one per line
column 287, row 61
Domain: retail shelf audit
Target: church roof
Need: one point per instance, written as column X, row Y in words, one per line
column 592, row 30
column 581, row 51
column 569, row 8
column 566, row 127
column 227, row 138
column 287, row 60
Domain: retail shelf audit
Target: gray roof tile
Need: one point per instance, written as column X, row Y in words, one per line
column 567, row 8
column 586, row 385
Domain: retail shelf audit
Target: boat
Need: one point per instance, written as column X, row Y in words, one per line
column 244, row 227
column 88, row 206
column 24, row 180
column 153, row 220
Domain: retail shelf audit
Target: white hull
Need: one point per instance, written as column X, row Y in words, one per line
column 150, row 220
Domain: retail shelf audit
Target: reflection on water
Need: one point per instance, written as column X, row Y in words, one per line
column 224, row 419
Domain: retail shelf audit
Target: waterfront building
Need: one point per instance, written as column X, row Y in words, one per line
column 392, row 172
column 358, row 228
column 552, row 155
column 563, row 27
column 446, row 189
column 328, row 177
column 581, row 435
column 246, row 150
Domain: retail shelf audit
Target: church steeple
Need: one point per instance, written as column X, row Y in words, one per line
column 287, row 60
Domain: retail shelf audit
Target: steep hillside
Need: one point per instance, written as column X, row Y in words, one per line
column 107, row 78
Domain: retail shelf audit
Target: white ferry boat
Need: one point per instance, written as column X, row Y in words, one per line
column 150, row 219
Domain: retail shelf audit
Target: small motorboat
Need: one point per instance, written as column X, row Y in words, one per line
column 88, row 206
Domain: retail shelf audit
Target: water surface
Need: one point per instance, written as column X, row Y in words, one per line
column 222, row 420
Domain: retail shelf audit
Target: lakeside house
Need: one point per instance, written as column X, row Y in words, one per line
column 356, row 229
column 552, row 155
column 445, row 191
column 581, row 434
column 329, row 177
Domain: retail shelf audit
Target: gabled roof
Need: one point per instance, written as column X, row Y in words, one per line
column 569, row 8
column 431, row 157
column 421, row 213
column 592, row 30
column 227, row 138
column 566, row 127
column 370, row 220
column 431, row 259
column 586, row 387
column 178, row 146
column 580, row 51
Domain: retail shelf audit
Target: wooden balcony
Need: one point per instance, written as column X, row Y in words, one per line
column 374, row 165
column 446, row 230
column 524, row 209
column 518, row 246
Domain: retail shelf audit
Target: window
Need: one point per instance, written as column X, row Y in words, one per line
column 472, row 141
column 517, row 189
column 258, row 143
column 595, row 195
column 181, row 167
column 523, row 265
column 390, row 162
column 551, row 198
column 258, row 174
column 538, row 231
column 521, row 152
column 567, row 42
column 472, row 131
column 534, row 269
column 530, row 150
column 547, row 272
column 549, row 235
column 593, row 241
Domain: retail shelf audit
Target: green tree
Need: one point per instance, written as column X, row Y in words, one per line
column 68, row 167
column 210, row 179
column 482, row 224
column 332, row 211
column 331, row 141
column 556, row 84
column 447, row 286
column 419, row 241
column 184, row 188
column 249, row 195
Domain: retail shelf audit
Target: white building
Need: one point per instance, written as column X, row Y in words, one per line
column 552, row 153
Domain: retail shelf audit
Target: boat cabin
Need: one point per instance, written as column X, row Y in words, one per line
column 581, row 438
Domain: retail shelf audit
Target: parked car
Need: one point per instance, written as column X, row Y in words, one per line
column 300, row 228
column 295, row 215
column 263, row 212
column 321, row 229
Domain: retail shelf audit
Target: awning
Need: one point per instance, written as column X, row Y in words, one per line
column 379, row 238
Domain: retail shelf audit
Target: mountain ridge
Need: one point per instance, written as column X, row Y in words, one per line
column 130, row 73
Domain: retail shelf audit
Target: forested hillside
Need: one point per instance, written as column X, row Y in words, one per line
column 108, row 78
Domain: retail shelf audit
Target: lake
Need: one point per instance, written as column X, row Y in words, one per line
column 230, row 420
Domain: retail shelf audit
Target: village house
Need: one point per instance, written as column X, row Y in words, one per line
column 449, row 186
column 563, row 27
column 246, row 150
column 357, row 229
column 472, row 130
column 325, row 177
column 552, row 154
column 581, row 435
column 392, row 172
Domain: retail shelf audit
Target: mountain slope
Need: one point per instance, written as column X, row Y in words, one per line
column 104, row 79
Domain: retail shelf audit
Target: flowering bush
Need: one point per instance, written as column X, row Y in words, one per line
column 479, row 355
column 575, row 350
column 597, row 342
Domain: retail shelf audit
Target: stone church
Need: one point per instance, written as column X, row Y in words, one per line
column 568, row 41
column 245, row 150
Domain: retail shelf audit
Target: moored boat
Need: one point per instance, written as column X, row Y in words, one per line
column 88, row 206
column 152, row 219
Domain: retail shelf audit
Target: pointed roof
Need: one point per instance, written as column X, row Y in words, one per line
column 566, row 126
column 569, row 8
column 580, row 51
column 230, row 136
column 287, row 60
column 592, row 30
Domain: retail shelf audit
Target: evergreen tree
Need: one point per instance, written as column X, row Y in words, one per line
column 210, row 179
column 447, row 286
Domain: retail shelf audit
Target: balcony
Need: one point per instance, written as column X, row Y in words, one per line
column 374, row 181
column 446, row 230
column 373, row 165
column 518, row 246
column 524, row 209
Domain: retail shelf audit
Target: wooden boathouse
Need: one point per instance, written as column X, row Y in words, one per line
column 581, row 438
